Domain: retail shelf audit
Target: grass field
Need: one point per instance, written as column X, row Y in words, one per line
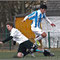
column 9, row 55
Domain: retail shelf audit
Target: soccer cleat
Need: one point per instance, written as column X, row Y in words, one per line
column 52, row 54
column 47, row 53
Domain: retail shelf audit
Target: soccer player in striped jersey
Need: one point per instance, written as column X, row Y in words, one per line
column 37, row 17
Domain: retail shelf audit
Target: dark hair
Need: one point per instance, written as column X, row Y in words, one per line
column 10, row 23
column 36, row 8
column 43, row 6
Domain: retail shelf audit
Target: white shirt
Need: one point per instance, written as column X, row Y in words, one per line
column 18, row 36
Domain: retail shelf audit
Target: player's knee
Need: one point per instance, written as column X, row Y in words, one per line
column 20, row 55
column 44, row 34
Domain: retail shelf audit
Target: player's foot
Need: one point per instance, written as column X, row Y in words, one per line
column 52, row 54
column 48, row 53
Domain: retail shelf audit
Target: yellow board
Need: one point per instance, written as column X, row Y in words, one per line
column 24, row 27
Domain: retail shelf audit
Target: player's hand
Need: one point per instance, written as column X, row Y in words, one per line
column 23, row 21
column 1, row 42
column 53, row 25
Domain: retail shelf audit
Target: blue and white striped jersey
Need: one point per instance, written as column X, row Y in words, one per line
column 37, row 17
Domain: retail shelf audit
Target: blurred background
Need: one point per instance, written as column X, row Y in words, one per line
column 9, row 10
column 15, row 11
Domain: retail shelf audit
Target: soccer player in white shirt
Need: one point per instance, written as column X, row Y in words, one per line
column 25, row 45
column 37, row 17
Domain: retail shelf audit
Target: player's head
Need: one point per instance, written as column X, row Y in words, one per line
column 9, row 25
column 43, row 8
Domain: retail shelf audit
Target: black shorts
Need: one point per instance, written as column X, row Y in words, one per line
column 24, row 46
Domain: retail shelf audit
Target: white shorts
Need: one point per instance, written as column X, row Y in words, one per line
column 36, row 30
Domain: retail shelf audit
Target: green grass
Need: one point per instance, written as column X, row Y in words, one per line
column 39, row 56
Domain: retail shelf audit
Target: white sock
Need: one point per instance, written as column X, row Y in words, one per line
column 38, row 38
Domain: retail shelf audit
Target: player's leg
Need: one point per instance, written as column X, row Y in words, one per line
column 36, row 41
column 46, row 52
column 22, row 50
column 39, row 38
column 41, row 35
column 28, row 47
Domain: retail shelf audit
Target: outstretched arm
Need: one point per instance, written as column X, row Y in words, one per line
column 25, row 19
column 30, row 16
column 49, row 21
column 7, row 39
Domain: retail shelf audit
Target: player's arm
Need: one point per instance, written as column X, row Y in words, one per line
column 30, row 16
column 7, row 39
column 52, row 24
column 25, row 18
